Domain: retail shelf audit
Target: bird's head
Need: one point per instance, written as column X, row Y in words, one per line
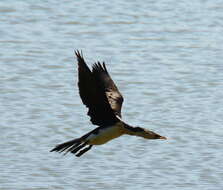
column 148, row 134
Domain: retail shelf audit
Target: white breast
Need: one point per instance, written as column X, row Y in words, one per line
column 104, row 135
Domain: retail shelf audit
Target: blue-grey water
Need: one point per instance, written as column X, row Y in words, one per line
column 166, row 58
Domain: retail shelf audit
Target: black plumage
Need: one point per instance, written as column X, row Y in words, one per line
column 104, row 102
column 97, row 90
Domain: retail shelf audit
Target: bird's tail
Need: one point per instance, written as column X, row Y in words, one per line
column 72, row 146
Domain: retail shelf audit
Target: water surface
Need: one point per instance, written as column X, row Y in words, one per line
column 166, row 58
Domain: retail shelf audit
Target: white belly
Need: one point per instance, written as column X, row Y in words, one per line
column 104, row 135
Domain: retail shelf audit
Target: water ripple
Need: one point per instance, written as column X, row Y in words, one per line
column 166, row 58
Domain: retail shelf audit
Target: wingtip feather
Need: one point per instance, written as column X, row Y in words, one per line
column 79, row 54
column 99, row 67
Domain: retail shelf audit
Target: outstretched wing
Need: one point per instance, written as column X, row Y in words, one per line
column 103, row 78
column 93, row 95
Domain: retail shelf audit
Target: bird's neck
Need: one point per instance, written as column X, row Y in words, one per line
column 129, row 130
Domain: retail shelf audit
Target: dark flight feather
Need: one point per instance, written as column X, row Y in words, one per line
column 93, row 95
column 113, row 95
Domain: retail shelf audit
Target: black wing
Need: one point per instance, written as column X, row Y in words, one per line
column 112, row 93
column 93, row 95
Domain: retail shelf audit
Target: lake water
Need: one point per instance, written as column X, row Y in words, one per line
column 166, row 58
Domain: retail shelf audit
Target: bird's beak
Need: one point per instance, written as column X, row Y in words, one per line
column 163, row 138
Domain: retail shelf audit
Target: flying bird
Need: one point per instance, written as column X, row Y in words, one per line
column 104, row 102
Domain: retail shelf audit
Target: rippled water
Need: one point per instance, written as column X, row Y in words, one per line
column 166, row 58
